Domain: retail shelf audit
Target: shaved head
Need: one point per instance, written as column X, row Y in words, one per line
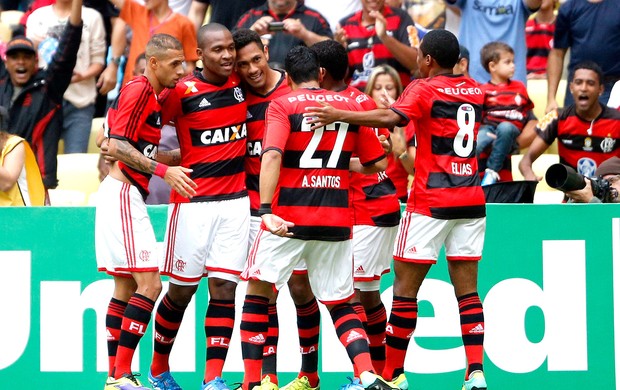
column 206, row 30
column 159, row 44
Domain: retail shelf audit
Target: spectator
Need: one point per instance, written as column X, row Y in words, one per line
column 591, row 30
column 377, row 35
column 462, row 65
column 614, row 96
column 285, row 24
column 507, row 110
column 333, row 10
column 538, row 38
column 609, row 170
column 429, row 14
column 485, row 22
column 224, row 12
column 34, row 96
column 145, row 20
column 20, row 179
column 384, row 87
column 588, row 131
column 44, row 28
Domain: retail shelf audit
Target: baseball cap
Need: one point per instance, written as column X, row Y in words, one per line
column 611, row 166
column 20, row 43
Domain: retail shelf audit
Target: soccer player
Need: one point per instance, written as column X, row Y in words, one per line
column 304, row 207
column 206, row 234
column 446, row 205
column 375, row 213
column 263, row 84
column 124, row 238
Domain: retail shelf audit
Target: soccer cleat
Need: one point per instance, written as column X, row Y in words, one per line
column 266, row 384
column 215, row 384
column 126, row 382
column 475, row 381
column 300, row 384
column 490, row 177
column 372, row 381
column 163, row 381
column 400, row 382
column 354, row 384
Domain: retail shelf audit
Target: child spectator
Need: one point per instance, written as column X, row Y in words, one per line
column 538, row 39
column 507, row 109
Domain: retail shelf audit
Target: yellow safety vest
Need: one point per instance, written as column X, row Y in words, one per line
column 29, row 189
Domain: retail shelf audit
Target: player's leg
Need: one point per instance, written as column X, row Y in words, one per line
column 270, row 349
column 463, row 251
column 124, row 287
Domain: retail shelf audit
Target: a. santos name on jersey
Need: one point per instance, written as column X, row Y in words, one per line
column 223, row 135
column 321, row 181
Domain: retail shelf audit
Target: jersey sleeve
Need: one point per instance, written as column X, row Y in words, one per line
column 131, row 111
column 409, row 104
column 368, row 147
column 547, row 127
column 170, row 105
column 277, row 127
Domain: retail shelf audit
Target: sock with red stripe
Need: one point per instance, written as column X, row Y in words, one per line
column 472, row 329
column 113, row 322
column 135, row 321
column 167, row 322
column 308, row 327
column 398, row 332
column 219, row 323
column 377, row 320
column 361, row 313
column 271, row 346
column 254, row 327
column 352, row 335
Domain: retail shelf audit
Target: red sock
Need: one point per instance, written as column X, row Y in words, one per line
column 113, row 321
column 361, row 313
column 219, row 323
column 271, row 346
column 254, row 327
column 167, row 322
column 135, row 321
column 352, row 335
column 308, row 327
column 377, row 320
column 398, row 332
column 472, row 329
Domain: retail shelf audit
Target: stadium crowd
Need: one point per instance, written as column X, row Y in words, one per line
column 286, row 135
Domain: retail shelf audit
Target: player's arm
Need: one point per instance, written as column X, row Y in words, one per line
column 537, row 148
column 271, row 161
column 326, row 114
column 555, row 64
column 169, row 157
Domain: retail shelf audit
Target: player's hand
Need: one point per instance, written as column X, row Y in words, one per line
column 340, row 36
column 380, row 24
column 261, row 26
column 385, row 144
column 178, row 179
column 105, row 152
column 107, row 80
column 322, row 115
column 277, row 225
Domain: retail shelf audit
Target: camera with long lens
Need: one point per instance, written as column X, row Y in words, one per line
column 565, row 178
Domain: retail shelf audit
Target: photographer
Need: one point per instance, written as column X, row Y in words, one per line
column 286, row 24
column 609, row 171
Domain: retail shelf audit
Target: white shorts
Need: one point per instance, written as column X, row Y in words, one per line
column 124, row 238
column 421, row 237
column 254, row 229
column 330, row 264
column 372, row 254
column 206, row 239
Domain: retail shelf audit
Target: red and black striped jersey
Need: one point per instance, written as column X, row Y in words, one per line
column 210, row 123
column 539, row 41
column 135, row 117
column 373, row 197
column 367, row 51
column 313, row 186
column 582, row 144
column 447, row 110
column 506, row 102
column 257, row 106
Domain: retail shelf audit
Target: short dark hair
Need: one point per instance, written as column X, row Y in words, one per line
column 333, row 57
column 245, row 36
column 443, row 46
column 141, row 57
column 590, row 65
column 160, row 43
column 492, row 51
column 302, row 64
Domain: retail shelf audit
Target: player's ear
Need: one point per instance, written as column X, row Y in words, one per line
column 322, row 72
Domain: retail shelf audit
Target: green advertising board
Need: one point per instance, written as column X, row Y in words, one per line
column 547, row 281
